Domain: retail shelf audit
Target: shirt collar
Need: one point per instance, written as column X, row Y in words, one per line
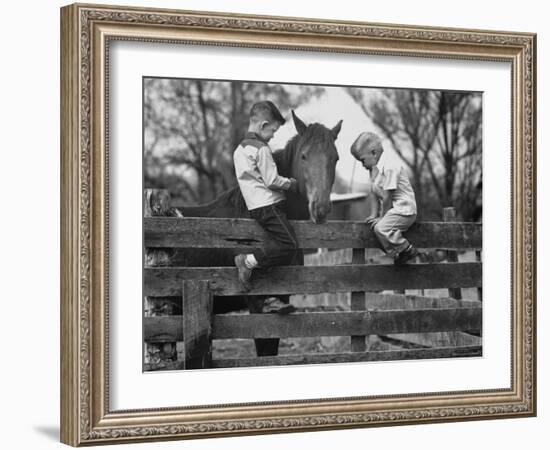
column 252, row 135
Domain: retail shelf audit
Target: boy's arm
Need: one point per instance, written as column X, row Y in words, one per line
column 386, row 201
column 268, row 170
column 391, row 176
column 383, row 197
column 374, row 205
column 379, row 205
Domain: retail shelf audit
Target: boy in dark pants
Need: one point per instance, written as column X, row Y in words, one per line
column 263, row 190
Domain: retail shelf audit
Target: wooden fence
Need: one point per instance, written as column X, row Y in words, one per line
column 369, row 313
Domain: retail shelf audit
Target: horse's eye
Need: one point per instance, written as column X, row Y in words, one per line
column 304, row 156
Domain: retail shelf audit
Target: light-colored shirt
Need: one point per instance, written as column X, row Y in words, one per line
column 393, row 177
column 256, row 171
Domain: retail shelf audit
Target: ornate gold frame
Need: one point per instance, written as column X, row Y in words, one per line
column 86, row 31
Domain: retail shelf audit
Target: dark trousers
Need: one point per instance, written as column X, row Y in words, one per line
column 281, row 246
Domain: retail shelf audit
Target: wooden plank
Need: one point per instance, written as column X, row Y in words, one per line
column 314, row 280
column 447, row 339
column 197, row 324
column 195, row 232
column 156, row 202
column 162, row 306
column 345, row 323
column 163, row 329
column 357, row 302
column 479, row 289
column 170, row 328
column 394, row 301
column 378, row 301
column 449, row 215
column 388, row 355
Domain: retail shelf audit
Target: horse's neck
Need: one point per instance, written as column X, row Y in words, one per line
column 288, row 165
column 297, row 207
column 229, row 204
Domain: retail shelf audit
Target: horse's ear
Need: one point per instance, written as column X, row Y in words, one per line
column 336, row 130
column 300, row 126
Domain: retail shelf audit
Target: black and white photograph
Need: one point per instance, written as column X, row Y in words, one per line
column 302, row 224
column 281, row 221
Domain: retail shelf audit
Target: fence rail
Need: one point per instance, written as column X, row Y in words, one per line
column 412, row 321
column 384, row 355
column 250, row 326
column 317, row 279
column 195, row 232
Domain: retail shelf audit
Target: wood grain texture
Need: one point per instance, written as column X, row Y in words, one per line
column 479, row 289
column 197, row 324
column 346, row 323
column 439, row 339
column 357, row 302
column 195, row 232
column 313, row 280
column 245, row 326
column 449, row 216
column 388, row 355
column 376, row 301
column 163, row 329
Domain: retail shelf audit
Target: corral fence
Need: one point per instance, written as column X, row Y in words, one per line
column 189, row 333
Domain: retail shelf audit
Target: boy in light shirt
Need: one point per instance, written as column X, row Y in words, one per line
column 394, row 210
column 263, row 190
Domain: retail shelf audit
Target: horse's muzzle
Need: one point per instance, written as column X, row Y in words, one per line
column 318, row 211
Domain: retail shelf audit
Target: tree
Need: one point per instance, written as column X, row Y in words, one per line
column 193, row 126
column 437, row 134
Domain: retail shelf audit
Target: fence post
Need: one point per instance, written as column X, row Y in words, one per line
column 358, row 302
column 156, row 202
column 449, row 215
column 197, row 324
column 479, row 289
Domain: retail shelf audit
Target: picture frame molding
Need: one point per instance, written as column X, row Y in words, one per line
column 86, row 31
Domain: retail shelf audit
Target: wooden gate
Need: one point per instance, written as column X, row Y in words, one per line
column 383, row 314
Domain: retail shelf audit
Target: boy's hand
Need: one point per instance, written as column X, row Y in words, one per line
column 293, row 185
column 372, row 221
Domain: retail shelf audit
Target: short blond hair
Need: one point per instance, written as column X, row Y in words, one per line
column 365, row 142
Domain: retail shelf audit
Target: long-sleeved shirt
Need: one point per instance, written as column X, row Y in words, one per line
column 256, row 171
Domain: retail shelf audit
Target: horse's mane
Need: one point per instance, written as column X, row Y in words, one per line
column 315, row 133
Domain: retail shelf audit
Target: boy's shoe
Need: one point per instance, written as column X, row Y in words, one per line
column 244, row 272
column 274, row 305
column 406, row 255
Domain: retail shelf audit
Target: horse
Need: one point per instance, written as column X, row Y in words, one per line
column 310, row 157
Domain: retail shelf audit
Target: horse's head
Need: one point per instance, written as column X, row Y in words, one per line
column 314, row 165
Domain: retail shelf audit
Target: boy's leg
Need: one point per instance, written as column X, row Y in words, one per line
column 281, row 246
column 389, row 231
